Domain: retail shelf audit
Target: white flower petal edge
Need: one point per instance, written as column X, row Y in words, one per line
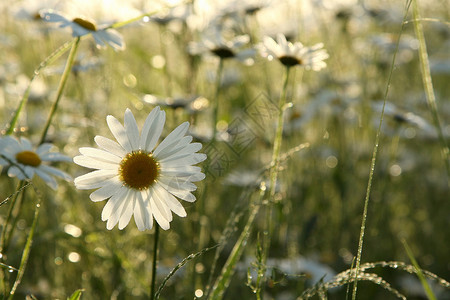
column 174, row 158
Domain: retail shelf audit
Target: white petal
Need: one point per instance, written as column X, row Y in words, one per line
column 186, row 160
column 146, row 195
column 113, row 204
column 94, row 179
column 159, row 211
column 140, row 213
column 54, row 156
column 51, row 16
column 26, row 144
column 177, row 183
column 111, row 37
column 180, row 149
column 107, row 190
column 100, row 155
column 56, row 172
column 51, row 182
column 110, row 146
column 153, row 126
column 119, row 132
column 131, row 129
column 127, row 210
column 172, row 139
column 13, row 171
column 44, row 148
column 93, row 163
column 183, row 152
column 173, row 204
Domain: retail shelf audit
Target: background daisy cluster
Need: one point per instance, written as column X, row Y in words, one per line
column 201, row 62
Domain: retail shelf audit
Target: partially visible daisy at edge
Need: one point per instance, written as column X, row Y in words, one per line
column 24, row 162
column 294, row 54
column 136, row 176
column 80, row 26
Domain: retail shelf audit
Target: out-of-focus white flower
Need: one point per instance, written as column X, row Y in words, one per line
column 139, row 178
column 24, row 162
column 217, row 45
column 294, row 54
column 80, row 27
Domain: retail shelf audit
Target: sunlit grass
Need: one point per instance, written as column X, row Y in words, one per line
column 292, row 214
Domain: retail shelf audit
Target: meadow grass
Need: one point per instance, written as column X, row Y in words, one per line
column 314, row 183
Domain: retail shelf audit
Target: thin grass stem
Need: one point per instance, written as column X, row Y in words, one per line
column 419, row 272
column 428, row 86
column 224, row 279
column 274, row 166
column 50, row 59
column 62, row 84
column 374, row 159
column 27, row 249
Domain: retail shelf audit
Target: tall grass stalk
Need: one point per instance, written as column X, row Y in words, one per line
column 27, row 248
column 62, row 84
column 224, row 278
column 428, row 85
column 274, row 166
column 50, row 59
column 374, row 158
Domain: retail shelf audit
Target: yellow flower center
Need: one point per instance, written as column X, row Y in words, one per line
column 28, row 158
column 290, row 61
column 85, row 24
column 138, row 170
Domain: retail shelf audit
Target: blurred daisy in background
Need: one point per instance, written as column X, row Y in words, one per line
column 215, row 44
column 294, row 54
column 138, row 177
column 81, row 26
column 24, row 162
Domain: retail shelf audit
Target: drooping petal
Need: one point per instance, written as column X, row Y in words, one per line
column 128, row 209
column 173, row 204
column 106, row 191
column 51, row 182
column 113, row 203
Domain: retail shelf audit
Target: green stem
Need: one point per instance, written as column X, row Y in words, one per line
column 6, row 231
column 428, row 85
column 62, row 84
column 26, row 251
column 274, row 166
column 224, row 279
column 51, row 58
column 374, row 158
column 215, row 101
column 155, row 258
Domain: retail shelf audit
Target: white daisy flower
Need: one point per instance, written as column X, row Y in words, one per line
column 24, row 162
column 102, row 34
column 217, row 45
column 290, row 54
column 136, row 176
